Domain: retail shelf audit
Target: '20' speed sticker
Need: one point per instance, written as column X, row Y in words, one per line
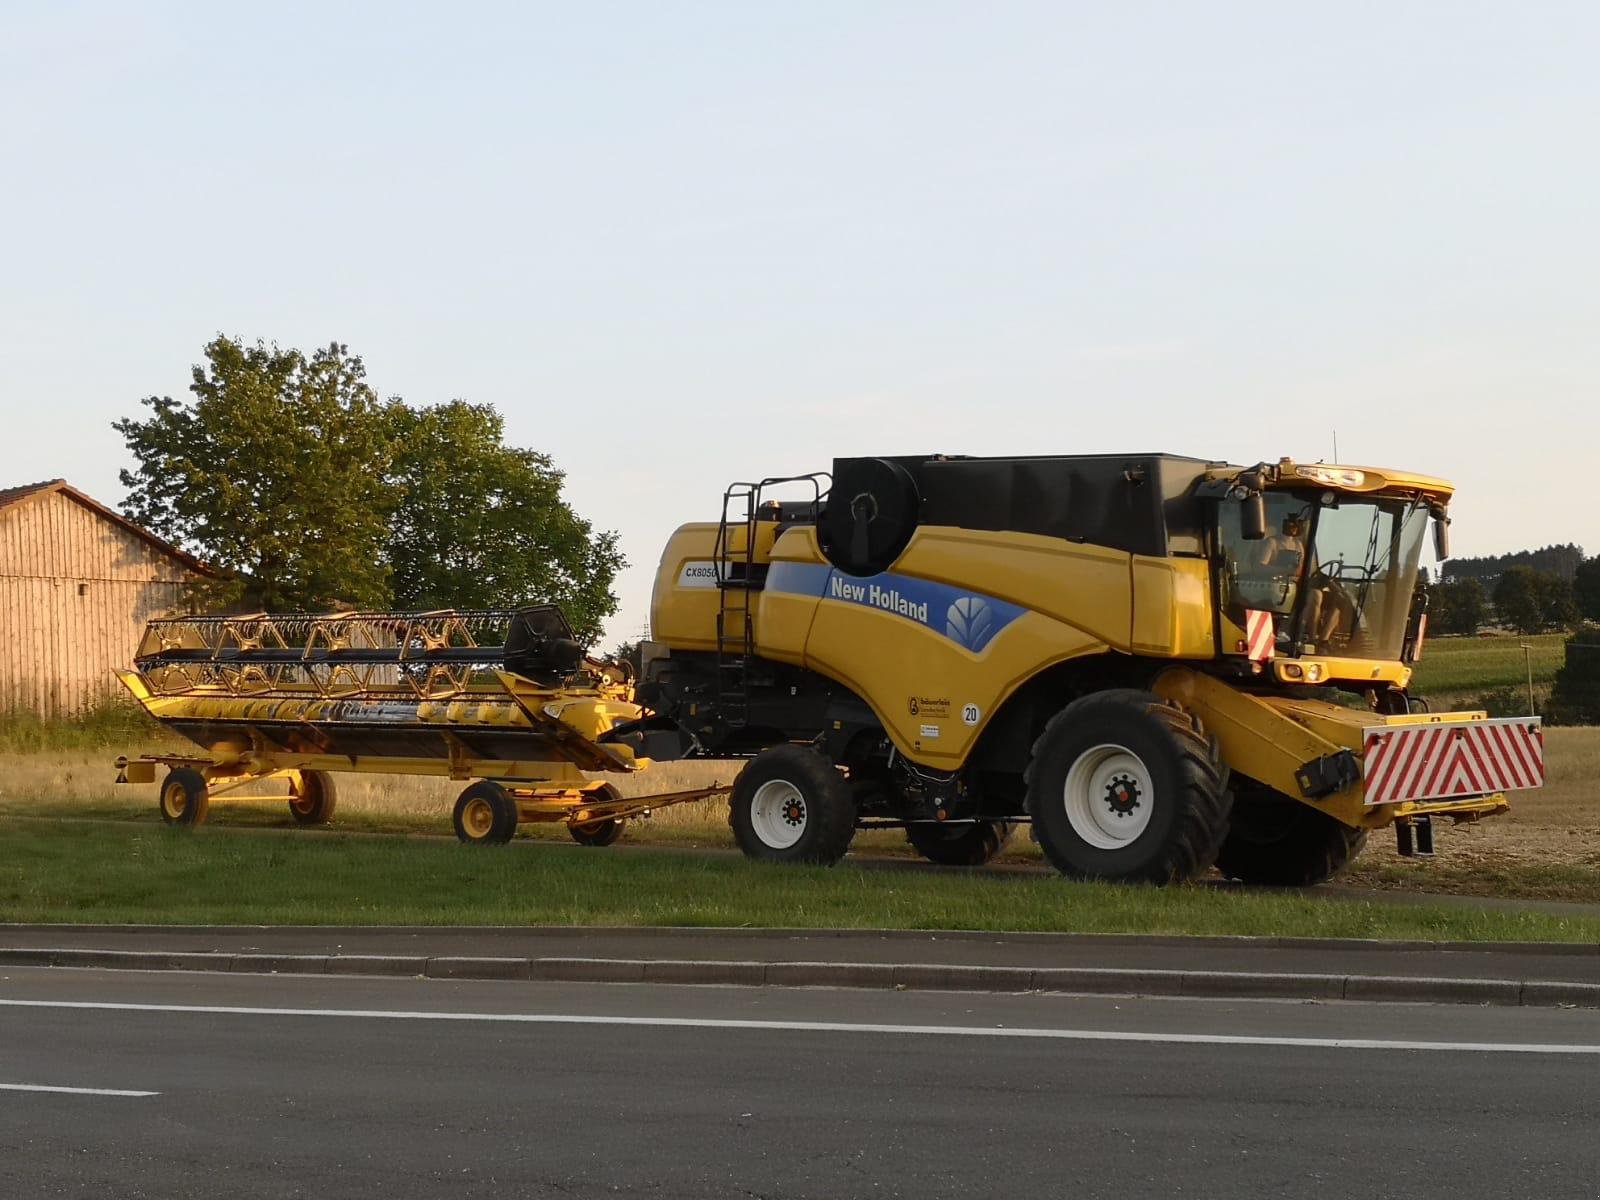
column 971, row 714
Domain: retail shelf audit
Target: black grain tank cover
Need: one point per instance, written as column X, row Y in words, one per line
column 1139, row 503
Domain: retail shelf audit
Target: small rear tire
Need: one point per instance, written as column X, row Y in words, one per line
column 1277, row 841
column 598, row 833
column 602, row 831
column 314, row 798
column 790, row 804
column 185, row 797
column 485, row 815
column 959, row 844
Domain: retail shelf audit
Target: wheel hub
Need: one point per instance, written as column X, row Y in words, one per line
column 1122, row 795
column 1109, row 796
column 778, row 814
column 477, row 817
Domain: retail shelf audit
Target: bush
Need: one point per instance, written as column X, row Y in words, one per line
column 110, row 723
column 1575, row 700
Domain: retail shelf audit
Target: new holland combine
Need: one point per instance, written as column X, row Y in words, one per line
column 1159, row 663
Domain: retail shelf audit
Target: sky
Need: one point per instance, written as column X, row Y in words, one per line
column 681, row 244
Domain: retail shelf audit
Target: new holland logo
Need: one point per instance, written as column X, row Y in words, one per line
column 970, row 622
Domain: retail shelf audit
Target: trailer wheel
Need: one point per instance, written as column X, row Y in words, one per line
column 313, row 799
column 1126, row 786
column 1274, row 839
column 598, row 833
column 485, row 814
column 790, row 804
column 962, row 844
column 184, row 797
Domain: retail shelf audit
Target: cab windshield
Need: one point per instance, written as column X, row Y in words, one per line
column 1338, row 576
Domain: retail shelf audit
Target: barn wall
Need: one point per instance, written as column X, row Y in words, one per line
column 75, row 592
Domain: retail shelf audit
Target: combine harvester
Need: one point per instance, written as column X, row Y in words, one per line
column 1161, row 664
column 506, row 698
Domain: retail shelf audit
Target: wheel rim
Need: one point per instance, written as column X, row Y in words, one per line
column 778, row 814
column 1109, row 797
column 173, row 800
column 303, row 799
column 477, row 818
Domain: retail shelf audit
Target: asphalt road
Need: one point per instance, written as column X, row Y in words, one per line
column 349, row 1087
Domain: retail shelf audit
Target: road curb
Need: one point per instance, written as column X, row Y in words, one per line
column 899, row 976
column 671, row 932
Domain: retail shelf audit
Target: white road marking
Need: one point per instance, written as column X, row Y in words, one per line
column 993, row 1031
column 69, row 1091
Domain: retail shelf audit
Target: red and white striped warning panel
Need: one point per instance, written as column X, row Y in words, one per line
column 1454, row 758
column 1259, row 635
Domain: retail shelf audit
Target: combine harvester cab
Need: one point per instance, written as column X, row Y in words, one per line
column 505, row 697
column 1164, row 664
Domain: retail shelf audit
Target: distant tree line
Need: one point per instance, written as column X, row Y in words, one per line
column 1522, row 598
column 289, row 475
column 1562, row 561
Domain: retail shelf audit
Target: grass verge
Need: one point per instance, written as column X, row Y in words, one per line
column 84, row 872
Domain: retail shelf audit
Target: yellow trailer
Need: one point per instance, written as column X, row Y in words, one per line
column 504, row 698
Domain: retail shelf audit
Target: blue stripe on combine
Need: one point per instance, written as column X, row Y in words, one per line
column 969, row 619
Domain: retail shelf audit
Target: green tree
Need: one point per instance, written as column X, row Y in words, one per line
column 1457, row 606
column 1518, row 599
column 479, row 524
column 274, row 472
column 1560, row 603
column 290, row 476
column 1586, row 588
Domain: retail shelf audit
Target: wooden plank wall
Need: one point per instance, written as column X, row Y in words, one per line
column 75, row 592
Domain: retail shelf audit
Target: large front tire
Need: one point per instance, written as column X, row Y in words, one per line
column 962, row 844
column 790, row 804
column 1275, row 840
column 1125, row 786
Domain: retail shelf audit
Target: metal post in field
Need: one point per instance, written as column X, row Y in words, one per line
column 1527, row 658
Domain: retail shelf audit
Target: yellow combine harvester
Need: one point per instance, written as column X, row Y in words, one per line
column 1161, row 663
column 504, row 697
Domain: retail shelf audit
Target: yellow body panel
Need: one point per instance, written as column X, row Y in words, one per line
column 1268, row 738
column 784, row 619
column 1172, row 608
column 686, row 600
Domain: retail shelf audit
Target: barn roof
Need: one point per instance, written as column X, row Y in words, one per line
column 12, row 497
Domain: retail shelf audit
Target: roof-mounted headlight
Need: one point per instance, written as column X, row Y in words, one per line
column 1335, row 476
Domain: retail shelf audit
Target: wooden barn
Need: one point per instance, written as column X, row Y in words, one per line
column 77, row 583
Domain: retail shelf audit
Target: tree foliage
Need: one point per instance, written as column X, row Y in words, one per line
column 480, row 524
column 1457, row 606
column 275, row 472
column 1586, row 589
column 1560, row 560
column 1529, row 601
column 290, row 476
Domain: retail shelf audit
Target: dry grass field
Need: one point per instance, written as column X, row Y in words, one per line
column 1548, row 845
